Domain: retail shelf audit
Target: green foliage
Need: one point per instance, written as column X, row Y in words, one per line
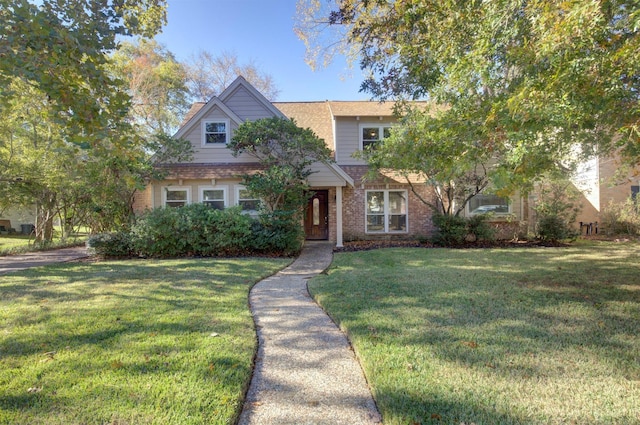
column 61, row 47
column 525, row 80
column 285, row 151
column 452, row 229
column 197, row 230
column 278, row 232
column 479, row 228
column 157, row 86
column 110, row 245
column 556, row 209
column 621, row 218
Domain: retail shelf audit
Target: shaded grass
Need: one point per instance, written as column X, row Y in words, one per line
column 133, row 342
column 499, row 336
column 19, row 244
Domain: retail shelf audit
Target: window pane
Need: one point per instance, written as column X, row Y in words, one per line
column 216, row 205
column 386, row 132
column 375, row 202
column 216, row 138
column 176, row 195
column 210, row 195
column 370, row 134
column 248, row 204
column 375, row 223
column 481, row 204
column 397, row 203
column 316, row 212
column 216, row 127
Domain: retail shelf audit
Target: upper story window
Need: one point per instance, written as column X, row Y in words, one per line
column 214, row 197
column 483, row 204
column 372, row 134
column 176, row 196
column 215, row 133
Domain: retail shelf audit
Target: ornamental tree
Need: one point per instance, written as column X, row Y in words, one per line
column 285, row 151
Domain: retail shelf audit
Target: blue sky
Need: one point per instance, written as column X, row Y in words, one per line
column 260, row 31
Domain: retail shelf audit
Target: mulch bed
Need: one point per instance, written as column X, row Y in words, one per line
column 377, row 244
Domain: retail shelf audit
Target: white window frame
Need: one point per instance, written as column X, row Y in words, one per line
column 227, row 124
column 167, row 189
column 380, row 127
column 252, row 213
column 386, row 214
column 498, row 214
column 224, row 189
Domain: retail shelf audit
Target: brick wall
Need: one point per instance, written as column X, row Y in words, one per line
column 419, row 223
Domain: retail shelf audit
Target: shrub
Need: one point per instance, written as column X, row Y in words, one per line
column 552, row 228
column 556, row 210
column 622, row 218
column 110, row 244
column 479, row 228
column 452, row 229
column 278, row 232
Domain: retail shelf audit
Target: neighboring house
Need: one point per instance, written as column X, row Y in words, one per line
column 601, row 186
column 18, row 219
column 347, row 204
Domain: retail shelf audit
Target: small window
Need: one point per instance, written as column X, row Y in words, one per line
column 215, row 132
column 176, row 197
column 371, row 135
column 484, row 204
column 249, row 204
column 213, row 198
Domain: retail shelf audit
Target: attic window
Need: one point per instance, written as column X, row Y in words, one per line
column 215, row 132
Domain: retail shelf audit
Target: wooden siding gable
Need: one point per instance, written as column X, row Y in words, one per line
column 237, row 94
column 203, row 112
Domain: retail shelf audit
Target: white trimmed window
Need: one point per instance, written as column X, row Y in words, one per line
column 214, row 197
column 372, row 134
column 176, row 196
column 215, row 133
column 386, row 211
column 249, row 203
column 483, row 204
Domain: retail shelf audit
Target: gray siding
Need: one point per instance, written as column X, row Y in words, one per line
column 246, row 106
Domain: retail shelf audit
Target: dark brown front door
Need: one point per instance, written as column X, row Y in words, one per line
column 316, row 220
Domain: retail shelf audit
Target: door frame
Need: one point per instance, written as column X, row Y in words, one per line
column 321, row 230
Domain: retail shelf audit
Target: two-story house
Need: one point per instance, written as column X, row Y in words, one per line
column 347, row 203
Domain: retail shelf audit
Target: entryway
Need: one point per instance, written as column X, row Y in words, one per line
column 316, row 219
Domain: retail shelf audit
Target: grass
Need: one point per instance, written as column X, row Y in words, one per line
column 18, row 243
column 131, row 342
column 497, row 336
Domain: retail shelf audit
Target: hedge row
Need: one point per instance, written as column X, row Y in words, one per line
column 197, row 230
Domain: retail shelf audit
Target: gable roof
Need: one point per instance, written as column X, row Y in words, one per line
column 241, row 82
column 202, row 111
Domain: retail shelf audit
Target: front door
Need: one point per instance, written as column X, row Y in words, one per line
column 316, row 219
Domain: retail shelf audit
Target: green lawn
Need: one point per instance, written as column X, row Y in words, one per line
column 131, row 342
column 499, row 336
column 18, row 244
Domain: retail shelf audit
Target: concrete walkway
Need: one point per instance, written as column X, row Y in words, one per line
column 11, row 263
column 306, row 372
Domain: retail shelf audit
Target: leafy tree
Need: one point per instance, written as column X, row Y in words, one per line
column 285, row 151
column 209, row 75
column 157, row 85
column 539, row 84
column 61, row 47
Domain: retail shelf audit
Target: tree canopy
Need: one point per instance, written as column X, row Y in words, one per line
column 285, row 151
column 538, row 84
